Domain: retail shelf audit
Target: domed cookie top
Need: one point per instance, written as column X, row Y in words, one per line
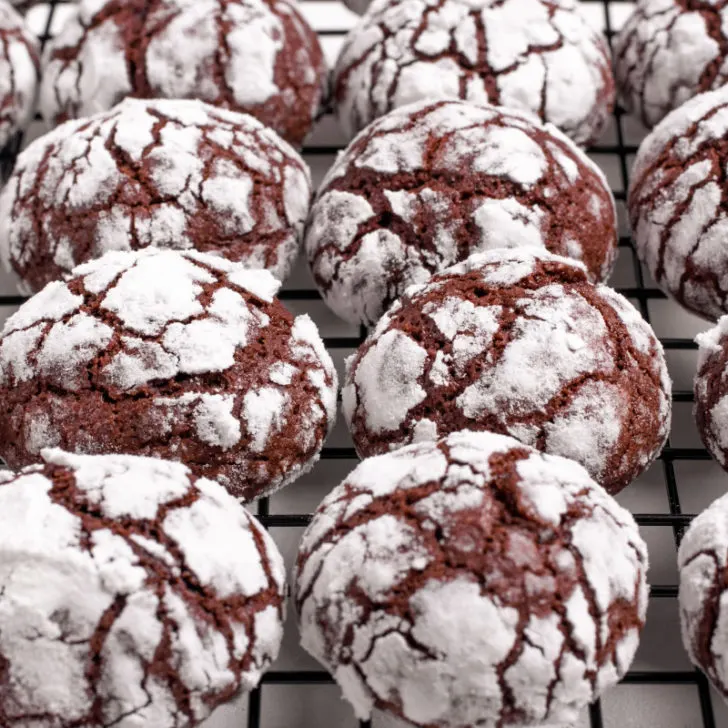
column 669, row 51
column 19, row 69
column 711, row 391
column 472, row 581
column 178, row 174
column 517, row 342
column 179, row 355
column 257, row 56
column 531, row 55
column 432, row 182
column 677, row 204
column 702, row 561
column 131, row 594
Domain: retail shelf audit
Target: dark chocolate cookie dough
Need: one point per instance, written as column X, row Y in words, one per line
column 183, row 356
column 518, row 342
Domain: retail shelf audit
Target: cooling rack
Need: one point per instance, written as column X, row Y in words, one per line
column 662, row 689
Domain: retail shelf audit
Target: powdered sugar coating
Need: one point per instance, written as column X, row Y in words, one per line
column 677, row 204
column 667, row 52
column 472, row 581
column 131, row 593
column 433, row 182
column 168, row 354
column 711, row 390
column 173, row 174
column 518, row 342
column 256, row 56
column 530, row 55
column 702, row 561
column 19, row 69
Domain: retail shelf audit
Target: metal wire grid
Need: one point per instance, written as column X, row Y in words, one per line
column 642, row 293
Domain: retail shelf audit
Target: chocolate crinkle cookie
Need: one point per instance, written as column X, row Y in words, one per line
column 256, row 56
column 677, row 204
column 472, row 582
column 703, row 561
column 521, row 343
column 533, row 55
column 166, row 173
column 175, row 355
column 667, row 52
column 19, row 69
column 430, row 183
column 711, row 390
column 131, row 594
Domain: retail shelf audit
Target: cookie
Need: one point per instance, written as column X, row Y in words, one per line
column 256, row 56
column 531, row 55
column 472, row 581
column 711, row 390
column 131, row 593
column 19, row 69
column 176, row 355
column 516, row 342
column 677, row 203
column 431, row 183
column 667, row 52
column 167, row 173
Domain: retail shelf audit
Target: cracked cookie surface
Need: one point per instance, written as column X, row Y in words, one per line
column 711, row 391
column 472, row 581
column 539, row 56
column 431, row 183
column 19, row 70
column 164, row 173
column 667, row 52
column 702, row 561
column 256, row 56
column 183, row 356
column 131, row 594
column 516, row 342
column 678, row 204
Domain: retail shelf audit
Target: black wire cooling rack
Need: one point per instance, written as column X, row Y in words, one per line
column 642, row 293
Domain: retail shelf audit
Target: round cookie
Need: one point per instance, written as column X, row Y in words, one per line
column 19, row 69
column 677, row 202
column 472, row 581
column 531, row 55
column 702, row 562
column 711, row 390
column 256, row 56
column 431, row 183
column 131, row 594
column 166, row 173
column 667, row 52
column 182, row 356
column 517, row 342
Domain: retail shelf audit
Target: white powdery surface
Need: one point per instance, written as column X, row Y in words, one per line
column 184, row 341
column 553, row 364
column 496, row 179
column 166, row 173
column 711, row 392
column 677, row 204
column 534, row 56
column 430, row 569
column 667, row 52
column 160, row 580
column 229, row 53
column 19, row 70
column 702, row 561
